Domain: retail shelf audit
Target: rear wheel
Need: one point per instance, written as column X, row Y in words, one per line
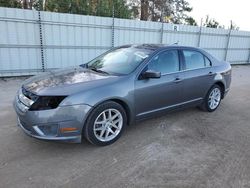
column 105, row 123
column 213, row 99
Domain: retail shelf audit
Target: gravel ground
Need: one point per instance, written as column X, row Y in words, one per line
column 186, row 149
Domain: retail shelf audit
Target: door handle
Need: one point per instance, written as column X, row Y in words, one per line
column 177, row 80
column 210, row 73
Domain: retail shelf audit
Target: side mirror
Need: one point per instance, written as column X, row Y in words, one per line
column 151, row 74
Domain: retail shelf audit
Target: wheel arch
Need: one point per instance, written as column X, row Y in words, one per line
column 123, row 103
column 125, row 107
column 222, row 85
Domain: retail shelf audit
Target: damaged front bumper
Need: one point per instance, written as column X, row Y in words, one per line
column 51, row 124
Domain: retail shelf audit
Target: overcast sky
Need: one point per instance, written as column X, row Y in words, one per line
column 223, row 11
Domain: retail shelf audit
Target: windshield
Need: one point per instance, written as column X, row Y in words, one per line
column 119, row 61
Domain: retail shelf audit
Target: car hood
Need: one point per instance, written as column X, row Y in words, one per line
column 66, row 81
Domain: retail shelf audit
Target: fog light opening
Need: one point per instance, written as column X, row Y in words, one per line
column 46, row 130
column 38, row 130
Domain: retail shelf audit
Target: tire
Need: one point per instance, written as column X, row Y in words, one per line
column 211, row 103
column 105, row 124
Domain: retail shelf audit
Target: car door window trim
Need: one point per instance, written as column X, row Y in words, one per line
column 162, row 51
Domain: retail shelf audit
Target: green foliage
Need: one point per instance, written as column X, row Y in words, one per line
column 87, row 7
column 63, row 6
column 179, row 10
column 121, row 9
column 190, row 21
column 156, row 10
column 212, row 23
column 84, row 7
column 11, row 3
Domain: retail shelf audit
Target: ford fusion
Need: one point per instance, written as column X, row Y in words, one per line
column 97, row 100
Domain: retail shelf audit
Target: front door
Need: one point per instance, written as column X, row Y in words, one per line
column 158, row 94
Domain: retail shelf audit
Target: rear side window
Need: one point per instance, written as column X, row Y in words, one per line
column 195, row 60
column 165, row 62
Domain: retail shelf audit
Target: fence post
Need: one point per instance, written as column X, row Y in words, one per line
column 162, row 31
column 41, row 35
column 228, row 42
column 249, row 56
column 162, row 27
column 113, row 27
column 199, row 39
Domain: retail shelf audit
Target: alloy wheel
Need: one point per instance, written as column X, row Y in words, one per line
column 108, row 125
column 214, row 98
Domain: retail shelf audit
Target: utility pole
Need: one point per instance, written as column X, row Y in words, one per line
column 113, row 27
column 162, row 26
column 199, row 39
column 228, row 41
column 41, row 35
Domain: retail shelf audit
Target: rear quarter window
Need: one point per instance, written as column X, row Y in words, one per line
column 195, row 60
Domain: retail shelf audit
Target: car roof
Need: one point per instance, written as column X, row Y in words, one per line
column 159, row 46
column 144, row 46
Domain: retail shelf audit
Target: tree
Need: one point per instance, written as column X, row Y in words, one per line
column 87, row 7
column 122, row 9
column 11, row 3
column 27, row 4
column 156, row 10
column 190, row 21
column 212, row 23
column 179, row 10
column 144, row 9
column 233, row 26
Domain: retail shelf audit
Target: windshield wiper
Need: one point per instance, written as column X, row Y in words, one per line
column 98, row 70
column 84, row 65
column 93, row 69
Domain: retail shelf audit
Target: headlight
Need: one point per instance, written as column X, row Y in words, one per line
column 24, row 99
column 46, row 102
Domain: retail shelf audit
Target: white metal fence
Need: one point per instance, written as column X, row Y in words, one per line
column 32, row 41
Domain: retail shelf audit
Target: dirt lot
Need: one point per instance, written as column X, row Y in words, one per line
column 183, row 149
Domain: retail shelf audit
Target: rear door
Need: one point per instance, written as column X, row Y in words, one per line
column 154, row 95
column 198, row 77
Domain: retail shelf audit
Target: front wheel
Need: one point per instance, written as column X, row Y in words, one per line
column 105, row 123
column 213, row 99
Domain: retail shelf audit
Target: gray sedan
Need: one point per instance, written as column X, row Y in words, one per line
column 97, row 100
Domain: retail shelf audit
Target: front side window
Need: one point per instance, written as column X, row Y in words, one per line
column 119, row 61
column 195, row 60
column 165, row 62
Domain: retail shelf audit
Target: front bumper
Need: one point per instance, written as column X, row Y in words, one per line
column 47, row 124
column 74, row 139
